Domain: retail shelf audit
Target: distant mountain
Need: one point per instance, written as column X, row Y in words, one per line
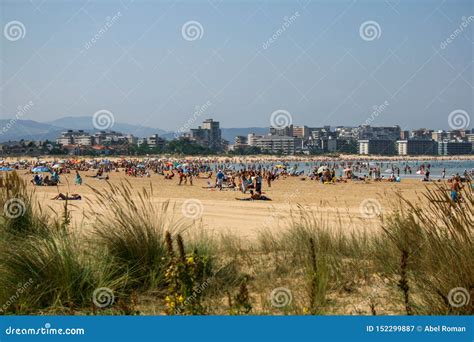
column 34, row 130
column 85, row 123
column 28, row 130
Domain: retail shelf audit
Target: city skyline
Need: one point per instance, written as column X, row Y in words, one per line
column 323, row 64
column 284, row 140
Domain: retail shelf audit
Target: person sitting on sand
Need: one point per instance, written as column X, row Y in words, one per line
column 231, row 183
column 37, row 180
column 169, row 176
column 61, row 196
column 254, row 197
column 50, row 181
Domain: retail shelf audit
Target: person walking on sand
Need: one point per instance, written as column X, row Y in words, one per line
column 190, row 176
column 455, row 189
column 243, row 181
column 181, row 176
column 220, row 179
column 78, row 180
column 258, row 182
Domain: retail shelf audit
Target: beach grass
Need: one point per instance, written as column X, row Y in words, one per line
column 420, row 261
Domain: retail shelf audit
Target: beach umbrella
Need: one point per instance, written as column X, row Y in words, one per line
column 40, row 169
column 57, row 166
column 322, row 169
column 4, row 168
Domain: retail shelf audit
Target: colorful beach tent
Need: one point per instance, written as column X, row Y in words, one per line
column 41, row 169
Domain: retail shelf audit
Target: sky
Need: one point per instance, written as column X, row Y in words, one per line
column 320, row 63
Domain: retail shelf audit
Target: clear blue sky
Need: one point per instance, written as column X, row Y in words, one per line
column 319, row 69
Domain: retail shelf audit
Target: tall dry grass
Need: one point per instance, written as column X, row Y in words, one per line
column 42, row 263
column 437, row 238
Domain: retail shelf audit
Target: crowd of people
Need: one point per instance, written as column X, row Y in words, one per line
column 244, row 175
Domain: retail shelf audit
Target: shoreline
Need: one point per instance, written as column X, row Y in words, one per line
column 251, row 158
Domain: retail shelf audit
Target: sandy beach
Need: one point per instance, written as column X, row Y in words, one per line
column 219, row 211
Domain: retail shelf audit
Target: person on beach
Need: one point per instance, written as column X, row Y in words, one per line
column 78, row 179
column 427, row 176
column 258, row 183
column 455, row 188
column 243, row 183
column 63, row 197
column 268, row 177
column 190, row 177
column 254, row 197
column 37, row 180
column 443, row 173
column 181, row 177
column 220, row 179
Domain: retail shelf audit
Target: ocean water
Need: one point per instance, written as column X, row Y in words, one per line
column 436, row 167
